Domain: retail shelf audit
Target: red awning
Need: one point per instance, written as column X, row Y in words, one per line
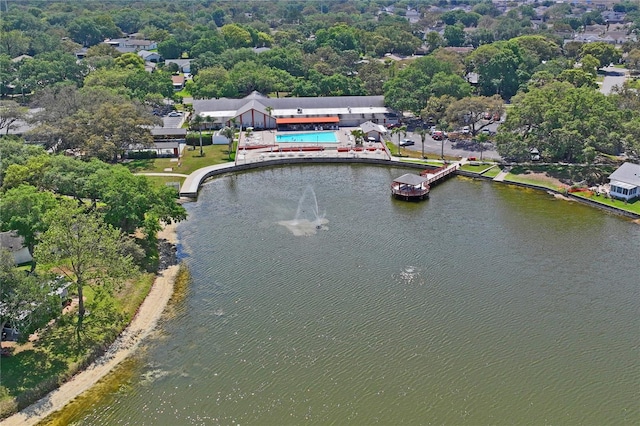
column 307, row 120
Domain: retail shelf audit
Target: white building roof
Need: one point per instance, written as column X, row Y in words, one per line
column 628, row 173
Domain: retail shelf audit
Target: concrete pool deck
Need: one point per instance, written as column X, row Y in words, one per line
column 260, row 149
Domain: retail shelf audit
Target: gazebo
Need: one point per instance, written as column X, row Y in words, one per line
column 410, row 187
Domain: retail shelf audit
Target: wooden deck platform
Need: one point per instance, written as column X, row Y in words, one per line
column 411, row 187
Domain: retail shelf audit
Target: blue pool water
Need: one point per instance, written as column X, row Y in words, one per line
column 323, row 137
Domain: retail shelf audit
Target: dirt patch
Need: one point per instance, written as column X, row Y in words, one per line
column 545, row 178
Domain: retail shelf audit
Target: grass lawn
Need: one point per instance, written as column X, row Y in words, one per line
column 633, row 207
column 183, row 93
column 426, row 162
column 479, row 168
column 163, row 180
column 537, row 180
column 493, row 172
column 190, row 161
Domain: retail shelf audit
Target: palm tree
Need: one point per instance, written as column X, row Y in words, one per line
column 197, row 121
column 233, row 122
column 423, row 136
column 480, row 140
column 358, row 135
column 401, row 132
column 269, row 111
column 229, row 133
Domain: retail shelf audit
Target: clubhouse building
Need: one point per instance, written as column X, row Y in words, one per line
column 318, row 113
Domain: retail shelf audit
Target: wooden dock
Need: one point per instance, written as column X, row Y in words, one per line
column 411, row 187
column 435, row 175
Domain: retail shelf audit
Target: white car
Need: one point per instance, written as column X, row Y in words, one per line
column 174, row 114
column 465, row 130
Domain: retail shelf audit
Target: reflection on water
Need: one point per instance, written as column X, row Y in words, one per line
column 485, row 305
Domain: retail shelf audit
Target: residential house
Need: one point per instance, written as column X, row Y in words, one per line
column 149, row 56
column 167, row 142
column 184, row 65
column 126, row 45
column 178, row 82
column 625, row 182
column 611, row 17
column 14, row 243
column 21, row 58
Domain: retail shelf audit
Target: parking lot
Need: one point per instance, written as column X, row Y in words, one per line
column 432, row 146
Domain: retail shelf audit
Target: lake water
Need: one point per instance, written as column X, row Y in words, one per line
column 486, row 304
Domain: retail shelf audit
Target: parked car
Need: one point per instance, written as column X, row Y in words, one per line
column 407, row 142
column 174, row 114
column 465, row 130
column 438, row 135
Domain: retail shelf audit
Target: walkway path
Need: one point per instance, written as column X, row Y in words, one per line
column 500, row 176
column 192, row 182
column 163, row 174
column 613, row 77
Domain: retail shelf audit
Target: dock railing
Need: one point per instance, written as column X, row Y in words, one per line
column 439, row 173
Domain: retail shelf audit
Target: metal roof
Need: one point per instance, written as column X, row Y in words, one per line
column 411, row 179
column 301, row 120
column 627, row 173
column 357, row 104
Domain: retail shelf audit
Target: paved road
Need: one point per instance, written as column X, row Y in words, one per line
column 432, row 146
column 613, row 77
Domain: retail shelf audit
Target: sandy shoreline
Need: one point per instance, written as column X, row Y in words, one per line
column 142, row 324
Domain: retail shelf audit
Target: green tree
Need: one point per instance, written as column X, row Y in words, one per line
column 434, row 40
column 128, row 201
column 13, row 43
column 501, row 68
column 14, row 151
column 633, row 60
column 23, row 209
column 110, row 129
column 423, row 137
column 130, row 61
column 49, row 68
column 196, row 122
column 27, row 303
column 471, row 111
column 229, row 133
column 358, row 135
column 89, row 247
column 170, row 48
column 604, row 52
column 236, row 36
column 10, row 114
column 88, row 31
column 454, row 34
column 401, row 132
column 562, row 120
column 411, row 88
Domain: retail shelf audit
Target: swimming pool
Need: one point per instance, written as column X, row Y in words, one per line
column 311, row 137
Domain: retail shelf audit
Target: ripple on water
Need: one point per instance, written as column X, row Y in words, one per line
column 483, row 305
